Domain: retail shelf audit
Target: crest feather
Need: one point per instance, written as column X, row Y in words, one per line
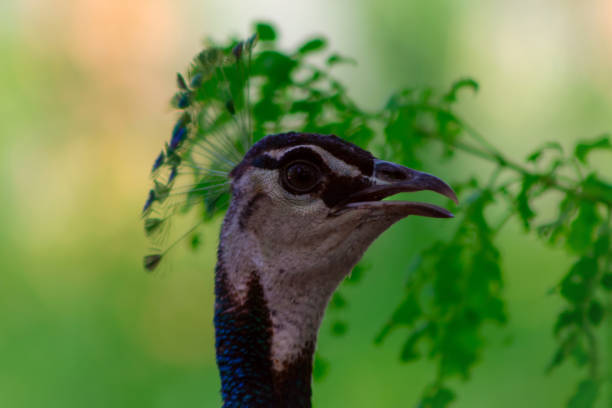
column 229, row 98
column 210, row 137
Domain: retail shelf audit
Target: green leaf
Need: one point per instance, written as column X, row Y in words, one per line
column 582, row 229
column 565, row 319
column 483, row 283
column 337, row 301
column 594, row 187
column 566, row 347
column 409, row 351
column 575, row 286
column 557, row 228
column 440, row 398
column 196, row 241
column 602, row 245
column 407, row 311
column 459, row 345
column 523, row 200
column 276, row 67
column 402, row 134
column 412, row 269
column 338, row 59
column 404, row 315
column 448, row 127
column 537, row 154
column 401, row 126
column 267, row 111
column 335, row 128
column 320, row 368
column 357, row 272
column 451, row 96
column 363, row 136
column 447, row 281
column 557, row 359
column 312, row 107
column 265, row 31
column 585, row 147
column 533, row 157
column 606, row 281
column 595, row 312
column 580, row 355
column 316, row 44
column 339, row 328
column 586, row 394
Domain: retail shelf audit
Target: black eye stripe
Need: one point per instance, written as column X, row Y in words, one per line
column 265, row 162
column 307, row 155
column 343, row 150
column 333, row 188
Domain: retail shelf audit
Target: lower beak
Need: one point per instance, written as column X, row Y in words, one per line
column 390, row 179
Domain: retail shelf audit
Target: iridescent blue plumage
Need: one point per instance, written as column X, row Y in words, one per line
column 173, row 174
column 149, row 201
column 183, row 100
column 243, row 336
column 196, row 80
column 210, row 137
column 178, row 136
column 159, row 161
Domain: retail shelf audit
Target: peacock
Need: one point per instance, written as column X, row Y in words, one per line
column 301, row 207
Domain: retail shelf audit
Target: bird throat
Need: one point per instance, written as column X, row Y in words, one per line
column 244, row 334
column 271, row 295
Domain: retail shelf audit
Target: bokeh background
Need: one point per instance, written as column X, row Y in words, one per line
column 84, row 91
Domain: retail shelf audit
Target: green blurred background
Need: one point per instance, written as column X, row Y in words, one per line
column 84, row 91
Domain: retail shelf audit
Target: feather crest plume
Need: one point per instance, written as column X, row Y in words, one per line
column 229, row 98
column 210, row 137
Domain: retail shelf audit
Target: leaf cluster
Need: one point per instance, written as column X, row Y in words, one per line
column 454, row 287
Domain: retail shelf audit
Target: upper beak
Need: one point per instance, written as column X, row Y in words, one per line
column 390, row 179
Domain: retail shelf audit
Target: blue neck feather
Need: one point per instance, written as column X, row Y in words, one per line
column 243, row 342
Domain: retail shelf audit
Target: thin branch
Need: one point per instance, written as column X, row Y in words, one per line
column 544, row 179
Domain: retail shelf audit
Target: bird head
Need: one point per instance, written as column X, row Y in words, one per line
column 316, row 200
column 304, row 209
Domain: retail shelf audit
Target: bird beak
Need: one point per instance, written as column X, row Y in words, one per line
column 390, row 179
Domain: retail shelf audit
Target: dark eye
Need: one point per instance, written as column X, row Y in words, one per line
column 301, row 177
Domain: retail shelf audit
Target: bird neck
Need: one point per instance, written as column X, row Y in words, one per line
column 271, row 294
column 244, row 336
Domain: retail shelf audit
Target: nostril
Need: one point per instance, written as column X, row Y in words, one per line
column 393, row 174
column 389, row 172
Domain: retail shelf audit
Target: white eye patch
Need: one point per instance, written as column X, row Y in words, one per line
column 335, row 164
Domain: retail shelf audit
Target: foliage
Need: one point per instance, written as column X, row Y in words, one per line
column 455, row 286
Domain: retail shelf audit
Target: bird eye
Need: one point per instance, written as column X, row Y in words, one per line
column 301, row 177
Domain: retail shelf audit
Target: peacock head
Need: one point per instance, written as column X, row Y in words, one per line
column 315, row 201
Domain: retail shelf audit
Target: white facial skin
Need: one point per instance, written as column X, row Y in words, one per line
column 300, row 250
